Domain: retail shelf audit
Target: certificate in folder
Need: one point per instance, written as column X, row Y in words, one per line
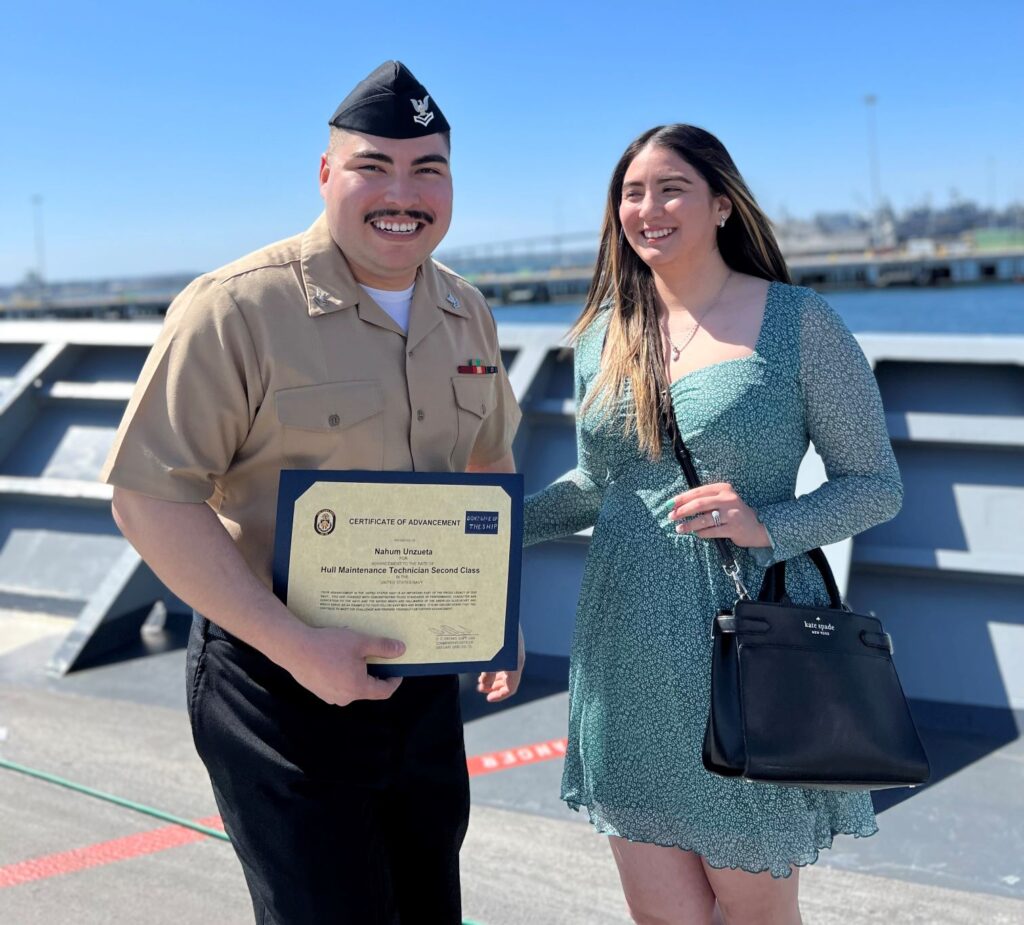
column 433, row 559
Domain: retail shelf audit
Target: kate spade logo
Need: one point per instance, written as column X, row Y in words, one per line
column 819, row 629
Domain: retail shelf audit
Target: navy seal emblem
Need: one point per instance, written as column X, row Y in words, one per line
column 324, row 521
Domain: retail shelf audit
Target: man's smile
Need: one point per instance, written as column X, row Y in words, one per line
column 391, row 224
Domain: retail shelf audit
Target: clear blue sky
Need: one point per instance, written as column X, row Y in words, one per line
column 176, row 136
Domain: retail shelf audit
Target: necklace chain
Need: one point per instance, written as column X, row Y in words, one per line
column 692, row 332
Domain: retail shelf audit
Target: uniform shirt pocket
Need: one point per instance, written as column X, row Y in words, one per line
column 475, row 399
column 337, row 425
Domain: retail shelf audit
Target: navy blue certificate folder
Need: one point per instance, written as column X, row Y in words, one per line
column 294, row 483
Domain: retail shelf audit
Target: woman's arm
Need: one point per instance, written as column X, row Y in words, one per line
column 846, row 423
column 572, row 503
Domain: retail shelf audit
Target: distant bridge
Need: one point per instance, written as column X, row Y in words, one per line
column 570, row 281
column 553, row 268
column 548, row 249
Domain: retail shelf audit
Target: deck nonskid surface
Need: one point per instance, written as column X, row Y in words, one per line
column 950, row 853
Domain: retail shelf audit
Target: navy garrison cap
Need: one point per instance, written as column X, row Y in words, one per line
column 390, row 103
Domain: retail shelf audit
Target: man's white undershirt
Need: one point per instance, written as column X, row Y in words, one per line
column 395, row 303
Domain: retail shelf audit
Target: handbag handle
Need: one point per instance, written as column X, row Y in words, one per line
column 773, row 588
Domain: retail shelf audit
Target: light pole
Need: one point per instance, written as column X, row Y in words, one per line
column 992, row 192
column 37, row 210
column 870, row 100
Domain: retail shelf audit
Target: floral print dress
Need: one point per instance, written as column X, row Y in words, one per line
column 641, row 652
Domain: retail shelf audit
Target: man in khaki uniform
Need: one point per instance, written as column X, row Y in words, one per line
column 346, row 796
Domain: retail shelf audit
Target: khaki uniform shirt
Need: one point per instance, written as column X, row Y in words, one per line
column 281, row 360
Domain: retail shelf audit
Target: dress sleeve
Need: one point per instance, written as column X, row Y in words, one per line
column 573, row 502
column 194, row 403
column 846, row 422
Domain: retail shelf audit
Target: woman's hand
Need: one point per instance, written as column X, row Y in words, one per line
column 737, row 520
column 500, row 685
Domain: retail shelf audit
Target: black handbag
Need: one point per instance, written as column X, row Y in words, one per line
column 803, row 696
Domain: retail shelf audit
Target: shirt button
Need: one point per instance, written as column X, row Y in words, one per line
column 333, row 420
column 420, row 415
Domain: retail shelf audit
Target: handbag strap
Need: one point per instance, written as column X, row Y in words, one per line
column 729, row 565
column 774, row 585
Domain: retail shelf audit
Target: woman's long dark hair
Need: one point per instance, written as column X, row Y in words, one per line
column 633, row 347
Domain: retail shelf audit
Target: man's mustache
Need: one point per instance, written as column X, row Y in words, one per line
column 414, row 214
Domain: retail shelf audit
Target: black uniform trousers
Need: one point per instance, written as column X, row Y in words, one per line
column 339, row 815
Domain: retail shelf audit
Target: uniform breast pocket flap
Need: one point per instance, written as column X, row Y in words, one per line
column 475, row 394
column 335, row 424
column 475, row 400
column 329, row 406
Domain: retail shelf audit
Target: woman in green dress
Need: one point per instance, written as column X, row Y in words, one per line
column 691, row 304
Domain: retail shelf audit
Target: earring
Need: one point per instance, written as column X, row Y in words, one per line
column 721, row 224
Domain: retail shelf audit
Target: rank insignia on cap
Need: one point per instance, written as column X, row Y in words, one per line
column 379, row 105
column 422, row 115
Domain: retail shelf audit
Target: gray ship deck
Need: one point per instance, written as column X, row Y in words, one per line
column 949, row 853
column 946, row 575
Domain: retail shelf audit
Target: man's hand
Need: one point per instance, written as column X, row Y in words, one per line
column 191, row 552
column 331, row 662
column 500, row 685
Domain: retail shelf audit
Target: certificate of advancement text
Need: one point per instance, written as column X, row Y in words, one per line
column 431, row 559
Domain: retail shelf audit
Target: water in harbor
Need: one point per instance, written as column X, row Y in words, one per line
column 993, row 309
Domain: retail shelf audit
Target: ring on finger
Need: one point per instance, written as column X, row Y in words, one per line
column 716, row 518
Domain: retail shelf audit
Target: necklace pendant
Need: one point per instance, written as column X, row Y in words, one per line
column 675, row 353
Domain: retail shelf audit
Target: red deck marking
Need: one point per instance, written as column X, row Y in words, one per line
column 173, row 836
column 118, row 849
column 513, row 757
